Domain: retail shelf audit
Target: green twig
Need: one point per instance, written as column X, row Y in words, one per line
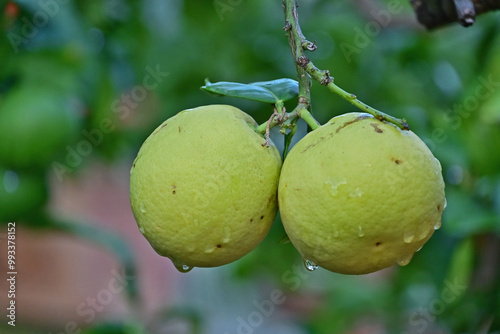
column 304, row 65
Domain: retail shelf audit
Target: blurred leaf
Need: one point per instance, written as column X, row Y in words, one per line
column 490, row 109
column 464, row 216
column 461, row 266
column 115, row 328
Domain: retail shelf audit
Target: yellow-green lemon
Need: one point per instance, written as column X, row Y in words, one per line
column 203, row 187
column 358, row 195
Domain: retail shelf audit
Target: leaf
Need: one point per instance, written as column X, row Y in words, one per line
column 465, row 216
column 461, row 266
column 243, row 91
column 284, row 89
column 264, row 91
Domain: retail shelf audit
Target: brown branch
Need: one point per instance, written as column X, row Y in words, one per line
column 436, row 13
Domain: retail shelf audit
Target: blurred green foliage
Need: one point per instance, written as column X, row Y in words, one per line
column 123, row 66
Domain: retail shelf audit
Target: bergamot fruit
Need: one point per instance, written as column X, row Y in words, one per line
column 203, row 187
column 35, row 124
column 358, row 195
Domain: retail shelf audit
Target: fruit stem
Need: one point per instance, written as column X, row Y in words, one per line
column 306, row 68
column 297, row 44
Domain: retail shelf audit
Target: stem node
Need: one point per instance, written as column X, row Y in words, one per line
column 303, row 61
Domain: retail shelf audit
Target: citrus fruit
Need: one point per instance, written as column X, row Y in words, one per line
column 21, row 194
column 203, row 187
column 358, row 195
column 39, row 121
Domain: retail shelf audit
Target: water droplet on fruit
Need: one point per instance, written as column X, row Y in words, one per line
column 334, row 185
column 311, row 266
column 143, row 207
column 141, row 229
column 209, row 250
column 404, row 261
column 361, row 233
column 183, row 268
column 419, row 248
column 408, row 237
column 227, row 235
column 423, row 234
column 445, row 204
column 356, row 193
column 437, row 226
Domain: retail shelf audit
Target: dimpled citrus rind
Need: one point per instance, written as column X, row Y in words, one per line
column 358, row 195
column 203, row 187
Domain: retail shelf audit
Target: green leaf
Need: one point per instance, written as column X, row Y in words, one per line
column 284, row 89
column 466, row 216
column 243, row 91
column 264, row 91
column 461, row 266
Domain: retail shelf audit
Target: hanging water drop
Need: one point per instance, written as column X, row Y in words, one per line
column 408, row 237
column 437, row 226
column 361, row 233
column 405, row 260
column 209, row 250
column 141, row 229
column 420, row 248
column 445, row 204
column 143, row 207
column 311, row 266
column 356, row 193
column 183, row 268
column 423, row 234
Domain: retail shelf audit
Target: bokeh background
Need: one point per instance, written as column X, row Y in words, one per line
column 82, row 84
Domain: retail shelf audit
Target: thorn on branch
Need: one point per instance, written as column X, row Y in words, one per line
column 287, row 26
